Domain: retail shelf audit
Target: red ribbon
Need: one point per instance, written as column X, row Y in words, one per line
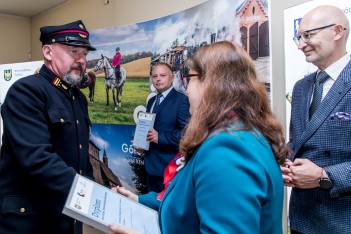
column 168, row 174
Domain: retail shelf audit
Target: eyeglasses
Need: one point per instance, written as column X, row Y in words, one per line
column 186, row 79
column 306, row 35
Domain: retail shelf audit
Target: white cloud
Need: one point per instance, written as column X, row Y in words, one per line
column 98, row 141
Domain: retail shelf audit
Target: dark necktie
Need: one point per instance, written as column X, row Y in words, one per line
column 318, row 91
column 157, row 102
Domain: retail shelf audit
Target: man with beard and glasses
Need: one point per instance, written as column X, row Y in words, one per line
column 46, row 136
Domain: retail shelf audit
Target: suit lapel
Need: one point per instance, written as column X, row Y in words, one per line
column 339, row 89
column 150, row 104
column 167, row 99
column 306, row 99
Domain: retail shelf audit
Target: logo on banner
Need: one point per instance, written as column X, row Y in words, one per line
column 296, row 26
column 8, row 74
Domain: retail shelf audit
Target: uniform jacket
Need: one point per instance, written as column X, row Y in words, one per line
column 171, row 117
column 325, row 140
column 232, row 184
column 45, row 143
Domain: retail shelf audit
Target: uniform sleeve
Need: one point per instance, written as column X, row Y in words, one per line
column 27, row 128
column 229, row 187
column 340, row 176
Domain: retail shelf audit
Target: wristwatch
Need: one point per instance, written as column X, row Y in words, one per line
column 325, row 183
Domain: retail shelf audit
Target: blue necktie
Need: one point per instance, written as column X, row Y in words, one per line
column 318, row 91
column 157, row 102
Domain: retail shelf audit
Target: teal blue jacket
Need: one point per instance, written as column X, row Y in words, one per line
column 232, row 184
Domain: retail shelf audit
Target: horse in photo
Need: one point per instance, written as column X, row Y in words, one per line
column 91, row 84
column 111, row 81
column 89, row 81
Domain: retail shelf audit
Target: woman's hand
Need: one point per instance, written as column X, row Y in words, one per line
column 116, row 229
column 125, row 192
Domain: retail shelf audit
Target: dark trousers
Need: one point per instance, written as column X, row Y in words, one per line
column 118, row 72
column 154, row 183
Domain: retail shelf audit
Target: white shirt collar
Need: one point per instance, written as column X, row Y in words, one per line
column 166, row 92
column 336, row 68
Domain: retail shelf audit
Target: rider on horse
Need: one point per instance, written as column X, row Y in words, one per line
column 116, row 63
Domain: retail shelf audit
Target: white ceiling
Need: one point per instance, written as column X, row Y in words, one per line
column 27, row 8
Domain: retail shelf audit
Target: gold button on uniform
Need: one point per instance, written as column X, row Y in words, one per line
column 73, row 97
column 62, row 120
column 22, row 210
column 80, row 146
column 77, row 121
column 80, row 172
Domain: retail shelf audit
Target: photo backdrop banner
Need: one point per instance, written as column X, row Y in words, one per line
column 172, row 39
column 9, row 73
column 169, row 39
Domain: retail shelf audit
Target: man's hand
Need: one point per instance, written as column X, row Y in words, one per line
column 286, row 173
column 139, row 150
column 304, row 174
column 152, row 136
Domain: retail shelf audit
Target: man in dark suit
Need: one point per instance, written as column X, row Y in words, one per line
column 172, row 114
column 319, row 169
column 46, row 136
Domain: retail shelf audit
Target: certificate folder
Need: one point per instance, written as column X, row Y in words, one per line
column 98, row 206
column 145, row 123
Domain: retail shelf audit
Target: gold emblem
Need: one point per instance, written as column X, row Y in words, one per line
column 8, row 74
column 57, row 82
column 82, row 35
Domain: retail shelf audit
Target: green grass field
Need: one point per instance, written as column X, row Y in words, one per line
column 135, row 92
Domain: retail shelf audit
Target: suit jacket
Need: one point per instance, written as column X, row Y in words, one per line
column 45, row 143
column 232, row 184
column 171, row 117
column 325, row 140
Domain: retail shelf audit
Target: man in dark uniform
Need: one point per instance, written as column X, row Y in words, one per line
column 46, row 136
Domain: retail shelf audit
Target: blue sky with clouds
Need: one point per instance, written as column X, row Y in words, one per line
column 116, row 140
column 157, row 35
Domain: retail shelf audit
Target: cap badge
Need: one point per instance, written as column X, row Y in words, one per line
column 82, row 35
column 81, row 26
column 53, row 40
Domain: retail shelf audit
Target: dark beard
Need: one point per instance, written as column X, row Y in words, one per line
column 72, row 79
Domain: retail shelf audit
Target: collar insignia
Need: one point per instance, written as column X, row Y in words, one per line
column 58, row 83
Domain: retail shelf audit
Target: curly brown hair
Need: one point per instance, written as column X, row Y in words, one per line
column 230, row 84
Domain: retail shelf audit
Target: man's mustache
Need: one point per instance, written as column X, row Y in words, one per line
column 77, row 67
